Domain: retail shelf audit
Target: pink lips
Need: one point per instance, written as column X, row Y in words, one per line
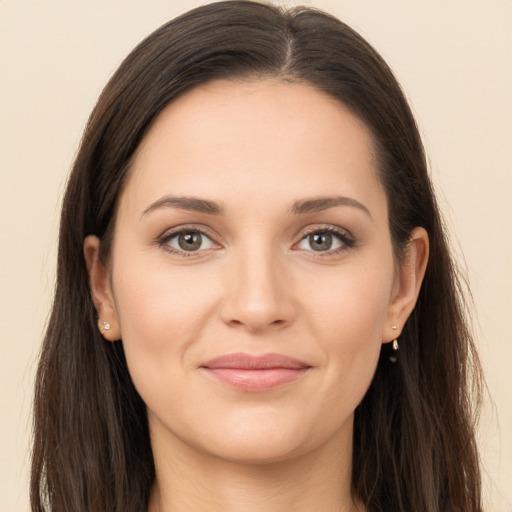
column 255, row 373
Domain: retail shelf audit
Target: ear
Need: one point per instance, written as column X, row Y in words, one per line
column 101, row 290
column 409, row 276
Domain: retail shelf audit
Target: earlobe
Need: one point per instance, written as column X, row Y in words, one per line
column 410, row 274
column 101, row 290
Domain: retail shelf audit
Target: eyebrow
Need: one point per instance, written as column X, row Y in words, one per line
column 323, row 203
column 300, row 207
column 193, row 204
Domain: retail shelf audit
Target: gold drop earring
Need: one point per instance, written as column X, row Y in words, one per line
column 395, row 346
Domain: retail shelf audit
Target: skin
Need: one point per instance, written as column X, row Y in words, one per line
column 255, row 285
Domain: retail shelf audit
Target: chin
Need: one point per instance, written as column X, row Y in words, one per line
column 255, row 439
column 258, row 449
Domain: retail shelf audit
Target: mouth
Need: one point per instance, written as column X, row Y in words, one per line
column 252, row 374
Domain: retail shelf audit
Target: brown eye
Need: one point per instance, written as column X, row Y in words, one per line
column 188, row 241
column 324, row 240
column 320, row 241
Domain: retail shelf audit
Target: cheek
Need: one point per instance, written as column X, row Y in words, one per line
column 162, row 313
column 347, row 321
column 350, row 305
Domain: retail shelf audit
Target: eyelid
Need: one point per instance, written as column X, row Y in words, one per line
column 200, row 228
column 342, row 232
column 343, row 235
column 170, row 233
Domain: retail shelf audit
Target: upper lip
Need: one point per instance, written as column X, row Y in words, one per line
column 254, row 362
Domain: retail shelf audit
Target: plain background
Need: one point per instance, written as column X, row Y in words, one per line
column 454, row 61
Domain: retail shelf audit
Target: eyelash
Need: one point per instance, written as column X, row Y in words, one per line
column 343, row 236
column 346, row 240
column 163, row 241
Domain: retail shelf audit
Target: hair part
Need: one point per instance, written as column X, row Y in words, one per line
column 414, row 443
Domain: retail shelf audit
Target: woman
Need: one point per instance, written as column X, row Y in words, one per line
column 256, row 308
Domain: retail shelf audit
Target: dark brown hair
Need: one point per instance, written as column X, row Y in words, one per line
column 414, row 444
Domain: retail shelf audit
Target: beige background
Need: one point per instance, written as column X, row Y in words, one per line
column 454, row 60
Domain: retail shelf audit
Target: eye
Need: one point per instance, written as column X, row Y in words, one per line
column 187, row 240
column 325, row 240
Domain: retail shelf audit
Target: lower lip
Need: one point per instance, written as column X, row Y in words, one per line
column 253, row 381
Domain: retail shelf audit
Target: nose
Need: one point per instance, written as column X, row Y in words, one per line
column 258, row 294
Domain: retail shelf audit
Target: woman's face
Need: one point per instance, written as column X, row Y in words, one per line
column 252, row 277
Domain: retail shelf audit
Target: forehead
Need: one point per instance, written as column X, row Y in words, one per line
column 270, row 139
column 252, row 111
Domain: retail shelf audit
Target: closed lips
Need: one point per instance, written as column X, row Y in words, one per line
column 247, row 373
column 249, row 362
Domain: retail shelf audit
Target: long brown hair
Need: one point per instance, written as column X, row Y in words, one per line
column 414, row 444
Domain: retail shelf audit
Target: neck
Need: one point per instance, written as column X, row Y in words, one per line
column 189, row 481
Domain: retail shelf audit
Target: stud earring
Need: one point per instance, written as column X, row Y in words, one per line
column 104, row 326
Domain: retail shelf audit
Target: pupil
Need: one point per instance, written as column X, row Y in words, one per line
column 321, row 242
column 189, row 241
